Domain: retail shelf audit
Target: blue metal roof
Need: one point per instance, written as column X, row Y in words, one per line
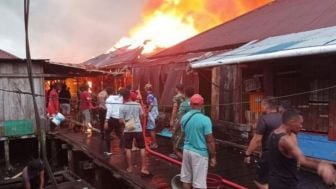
column 324, row 37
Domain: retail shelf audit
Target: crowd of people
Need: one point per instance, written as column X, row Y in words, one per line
column 193, row 140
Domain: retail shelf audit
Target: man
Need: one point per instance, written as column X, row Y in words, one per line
column 183, row 109
column 152, row 114
column 284, row 105
column 266, row 124
column 33, row 175
column 53, row 101
column 112, row 104
column 177, row 100
column 285, row 154
column 64, row 100
column 101, row 98
column 199, row 145
column 130, row 115
column 85, row 106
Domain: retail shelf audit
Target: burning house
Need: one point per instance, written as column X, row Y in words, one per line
column 133, row 54
column 274, row 53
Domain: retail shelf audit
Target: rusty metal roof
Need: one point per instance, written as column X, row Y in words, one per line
column 114, row 59
column 276, row 18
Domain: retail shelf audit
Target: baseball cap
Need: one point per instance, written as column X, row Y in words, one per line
column 196, row 99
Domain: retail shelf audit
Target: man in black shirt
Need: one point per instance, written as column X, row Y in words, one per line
column 266, row 124
column 284, row 155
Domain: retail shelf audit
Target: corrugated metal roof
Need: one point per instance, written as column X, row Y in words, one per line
column 277, row 18
column 298, row 42
column 6, row 55
column 114, row 58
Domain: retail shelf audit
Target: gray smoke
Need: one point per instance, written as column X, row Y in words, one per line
column 67, row 30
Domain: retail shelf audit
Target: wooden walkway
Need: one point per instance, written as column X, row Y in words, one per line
column 162, row 170
column 230, row 163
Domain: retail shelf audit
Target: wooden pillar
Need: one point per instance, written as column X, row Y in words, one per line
column 71, row 160
column 215, row 87
column 53, row 153
column 7, row 157
column 332, row 120
column 98, row 180
column 268, row 82
column 237, row 94
column 225, row 107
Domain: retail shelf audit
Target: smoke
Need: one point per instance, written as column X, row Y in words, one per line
column 77, row 30
column 67, row 30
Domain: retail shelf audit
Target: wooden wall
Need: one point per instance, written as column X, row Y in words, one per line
column 14, row 106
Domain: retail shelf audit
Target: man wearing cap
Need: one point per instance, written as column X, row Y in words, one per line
column 199, row 145
column 152, row 114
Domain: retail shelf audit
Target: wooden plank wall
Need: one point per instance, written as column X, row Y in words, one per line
column 215, row 93
column 14, row 106
column 226, row 94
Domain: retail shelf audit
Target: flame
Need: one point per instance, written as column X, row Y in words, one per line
column 168, row 22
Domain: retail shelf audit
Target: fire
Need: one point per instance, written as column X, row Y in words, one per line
column 168, row 22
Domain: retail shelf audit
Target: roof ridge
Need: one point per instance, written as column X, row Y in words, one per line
column 7, row 55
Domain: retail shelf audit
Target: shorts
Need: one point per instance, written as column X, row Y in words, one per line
column 86, row 115
column 194, row 169
column 139, row 138
column 65, row 108
column 262, row 170
column 150, row 123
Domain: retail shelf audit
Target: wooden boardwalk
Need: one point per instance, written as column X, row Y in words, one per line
column 230, row 163
column 162, row 170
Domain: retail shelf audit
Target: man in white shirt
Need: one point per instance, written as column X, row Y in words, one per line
column 112, row 104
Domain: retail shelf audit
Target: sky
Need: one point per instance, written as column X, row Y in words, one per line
column 69, row 31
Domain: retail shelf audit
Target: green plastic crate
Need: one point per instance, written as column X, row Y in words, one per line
column 18, row 127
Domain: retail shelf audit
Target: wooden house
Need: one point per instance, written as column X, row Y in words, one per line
column 15, row 93
column 16, row 102
column 237, row 88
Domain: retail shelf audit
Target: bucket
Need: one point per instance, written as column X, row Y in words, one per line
column 213, row 182
column 58, row 119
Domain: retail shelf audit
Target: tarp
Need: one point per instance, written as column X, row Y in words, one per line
column 292, row 45
column 317, row 146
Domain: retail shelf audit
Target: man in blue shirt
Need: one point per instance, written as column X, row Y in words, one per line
column 152, row 114
column 199, row 145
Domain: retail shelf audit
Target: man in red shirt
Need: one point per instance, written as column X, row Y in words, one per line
column 53, row 100
column 85, row 105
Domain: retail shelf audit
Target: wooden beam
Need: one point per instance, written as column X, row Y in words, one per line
column 215, row 93
column 332, row 120
column 237, row 94
column 268, row 80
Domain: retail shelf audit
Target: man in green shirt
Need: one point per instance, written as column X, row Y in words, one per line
column 183, row 109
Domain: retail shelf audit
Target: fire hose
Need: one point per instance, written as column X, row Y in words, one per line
column 179, row 163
